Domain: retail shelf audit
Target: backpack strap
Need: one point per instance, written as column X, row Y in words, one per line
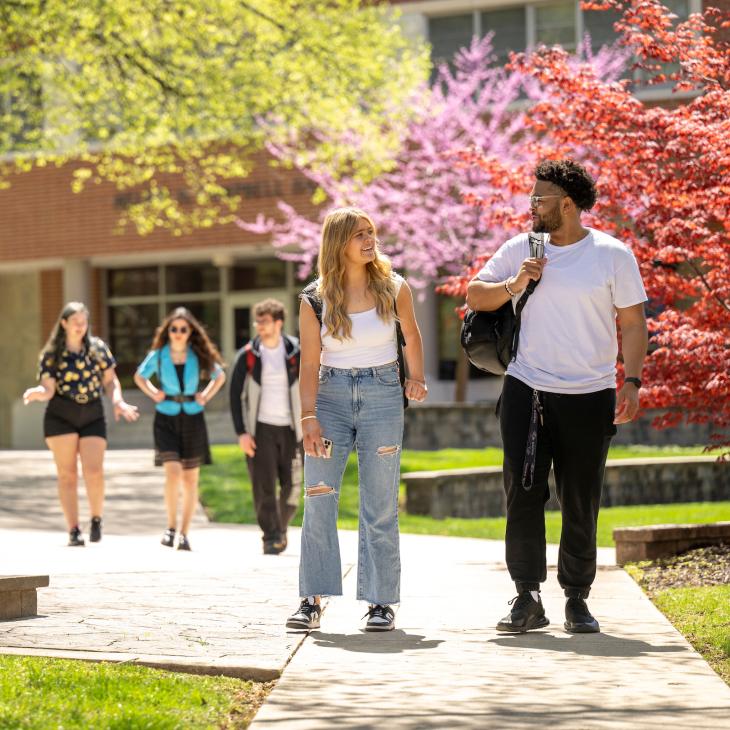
column 309, row 295
column 518, row 315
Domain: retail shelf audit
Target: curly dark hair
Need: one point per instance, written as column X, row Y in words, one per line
column 203, row 347
column 573, row 178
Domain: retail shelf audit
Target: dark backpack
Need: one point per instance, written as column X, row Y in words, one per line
column 313, row 299
column 490, row 339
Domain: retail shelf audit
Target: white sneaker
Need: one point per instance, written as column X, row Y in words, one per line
column 306, row 617
column 380, row 618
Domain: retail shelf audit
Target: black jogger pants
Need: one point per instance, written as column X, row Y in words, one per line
column 574, row 437
column 278, row 457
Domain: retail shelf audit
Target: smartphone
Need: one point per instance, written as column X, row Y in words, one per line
column 537, row 244
column 327, row 448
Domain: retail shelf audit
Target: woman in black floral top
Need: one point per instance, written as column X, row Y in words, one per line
column 74, row 369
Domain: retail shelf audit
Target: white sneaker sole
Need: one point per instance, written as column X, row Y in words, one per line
column 385, row 627
column 301, row 626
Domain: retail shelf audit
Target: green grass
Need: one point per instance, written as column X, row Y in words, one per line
column 703, row 616
column 226, row 493
column 56, row 693
column 700, row 613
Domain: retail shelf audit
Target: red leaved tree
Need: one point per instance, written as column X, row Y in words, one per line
column 664, row 189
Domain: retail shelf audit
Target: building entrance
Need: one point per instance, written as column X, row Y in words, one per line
column 238, row 317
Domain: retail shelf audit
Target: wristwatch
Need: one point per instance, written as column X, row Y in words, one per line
column 635, row 381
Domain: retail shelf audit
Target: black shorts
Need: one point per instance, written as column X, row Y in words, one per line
column 64, row 415
column 182, row 438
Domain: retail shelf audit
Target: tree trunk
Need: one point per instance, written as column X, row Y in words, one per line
column 462, row 377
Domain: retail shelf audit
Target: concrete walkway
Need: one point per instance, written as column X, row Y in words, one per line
column 221, row 609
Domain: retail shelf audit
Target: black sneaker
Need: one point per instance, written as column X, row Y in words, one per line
column 183, row 543
column 526, row 614
column 578, row 619
column 306, row 617
column 380, row 618
column 270, row 548
column 168, row 537
column 74, row 537
column 95, row 529
column 281, row 543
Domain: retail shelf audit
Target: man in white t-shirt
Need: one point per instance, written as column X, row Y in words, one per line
column 266, row 411
column 559, row 403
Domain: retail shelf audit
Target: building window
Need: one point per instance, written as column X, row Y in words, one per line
column 131, row 327
column 599, row 26
column 518, row 27
column 139, row 297
column 265, row 274
column 192, row 278
column 508, row 26
column 138, row 281
column 448, row 34
column 21, row 109
column 555, row 24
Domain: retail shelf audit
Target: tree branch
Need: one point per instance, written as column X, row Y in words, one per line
column 707, row 284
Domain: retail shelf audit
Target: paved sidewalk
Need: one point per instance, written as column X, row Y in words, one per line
column 221, row 609
column 444, row 666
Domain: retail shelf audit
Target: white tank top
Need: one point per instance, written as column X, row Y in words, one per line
column 371, row 344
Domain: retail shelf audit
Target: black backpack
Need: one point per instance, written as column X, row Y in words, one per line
column 490, row 339
column 313, row 299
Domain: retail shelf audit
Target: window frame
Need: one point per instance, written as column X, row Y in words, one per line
column 433, row 9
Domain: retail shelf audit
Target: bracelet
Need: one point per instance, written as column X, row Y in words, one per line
column 304, row 418
column 420, row 382
column 509, row 291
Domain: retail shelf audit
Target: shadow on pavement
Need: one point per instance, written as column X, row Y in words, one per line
column 386, row 642
column 585, row 644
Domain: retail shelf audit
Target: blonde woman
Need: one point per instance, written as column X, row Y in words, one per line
column 352, row 397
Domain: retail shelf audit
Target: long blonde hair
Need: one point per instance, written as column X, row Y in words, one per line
column 338, row 228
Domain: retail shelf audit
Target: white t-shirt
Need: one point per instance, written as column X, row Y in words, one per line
column 372, row 342
column 568, row 338
column 274, row 406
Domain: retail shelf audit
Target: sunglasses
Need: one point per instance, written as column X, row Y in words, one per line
column 181, row 330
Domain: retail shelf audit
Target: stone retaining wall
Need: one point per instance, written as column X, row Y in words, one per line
column 473, row 426
column 479, row 492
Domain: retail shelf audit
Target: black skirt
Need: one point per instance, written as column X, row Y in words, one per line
column 182, row 438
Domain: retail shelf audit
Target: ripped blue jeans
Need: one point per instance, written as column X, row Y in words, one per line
column 360, row 407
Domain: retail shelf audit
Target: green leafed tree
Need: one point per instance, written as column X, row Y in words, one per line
column 141, row 91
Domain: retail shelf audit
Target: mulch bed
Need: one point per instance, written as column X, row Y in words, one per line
column 708, row 566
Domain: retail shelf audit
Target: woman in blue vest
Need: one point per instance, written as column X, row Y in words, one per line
column 182, row 356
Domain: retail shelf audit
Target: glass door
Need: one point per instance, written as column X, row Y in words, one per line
column 238, row 326
column 242, row 326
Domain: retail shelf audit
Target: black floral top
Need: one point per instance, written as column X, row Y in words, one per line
column 78, row 375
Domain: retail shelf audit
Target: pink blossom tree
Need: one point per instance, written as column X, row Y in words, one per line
column 424, row 204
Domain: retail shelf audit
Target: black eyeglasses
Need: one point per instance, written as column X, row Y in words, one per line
column 181, row 330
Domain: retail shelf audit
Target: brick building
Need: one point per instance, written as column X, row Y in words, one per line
column 57, row 246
